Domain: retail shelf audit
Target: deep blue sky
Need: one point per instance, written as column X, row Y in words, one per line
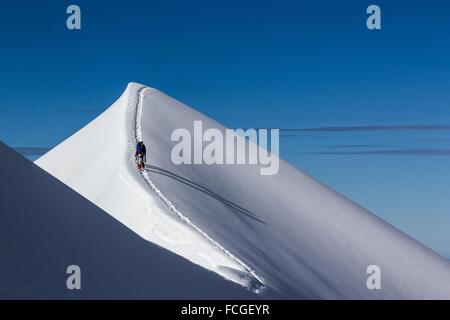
column 284, row 64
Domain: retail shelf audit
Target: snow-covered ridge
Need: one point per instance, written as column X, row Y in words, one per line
column 301, row 238
column 52, row 226
column 98, row 162
column 256, row 284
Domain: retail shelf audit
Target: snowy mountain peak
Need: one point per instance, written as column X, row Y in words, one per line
column 286, row 232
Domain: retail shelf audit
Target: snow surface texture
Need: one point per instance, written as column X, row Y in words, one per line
column 252, row 281
column 45, row 226
column 288, row 232
column 98, row 162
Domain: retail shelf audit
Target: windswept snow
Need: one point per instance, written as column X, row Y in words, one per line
column 45, row 226
column 291, row 233
column 254, row 282
column 98, row 162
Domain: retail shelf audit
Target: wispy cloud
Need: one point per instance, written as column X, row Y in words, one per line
column 78, row 111
column 400, row 152
column 32, row 151
column 431, row 140
column 370, row 148
column 312, row 136
column 351, row 146
column 369, row 128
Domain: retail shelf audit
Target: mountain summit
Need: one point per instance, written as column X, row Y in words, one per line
column 285, row 233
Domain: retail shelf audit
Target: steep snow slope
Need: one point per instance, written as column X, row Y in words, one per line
column 45, row 227
column 98, row 162
column 287, row 231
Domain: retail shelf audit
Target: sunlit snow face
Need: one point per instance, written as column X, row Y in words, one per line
column 213, row 146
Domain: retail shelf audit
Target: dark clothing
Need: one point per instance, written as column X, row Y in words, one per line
column 141, row 155
column 141, row 149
